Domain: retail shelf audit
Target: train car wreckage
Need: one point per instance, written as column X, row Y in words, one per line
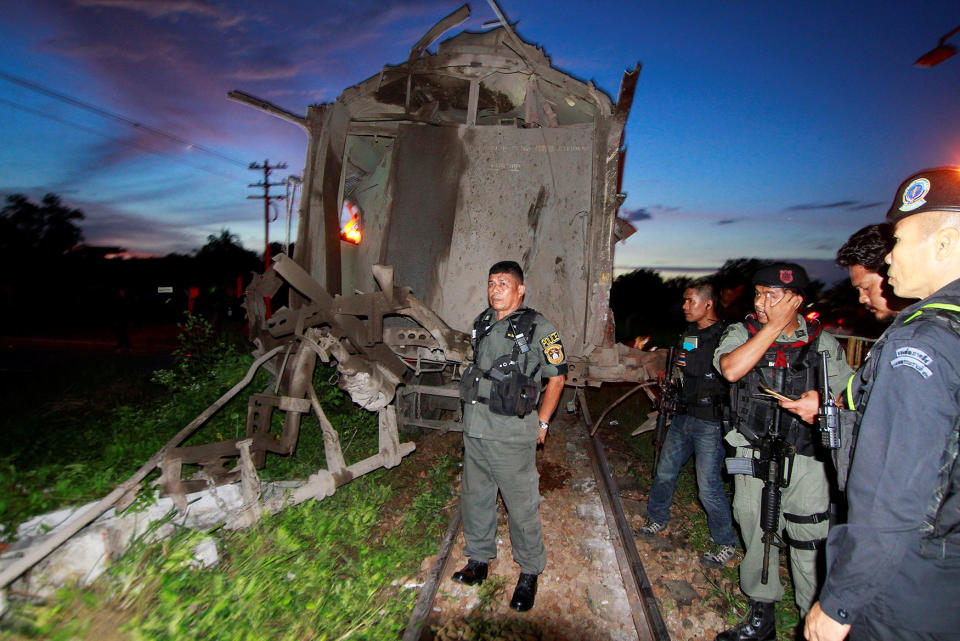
column 449, row 162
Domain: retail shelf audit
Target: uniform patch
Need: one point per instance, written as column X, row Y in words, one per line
column 913, row 352
column 913, row 358
column 547, row 341
column 554, row 353
column 915, row 194
column 690, row 342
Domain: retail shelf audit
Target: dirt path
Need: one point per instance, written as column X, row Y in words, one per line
column 581, row 593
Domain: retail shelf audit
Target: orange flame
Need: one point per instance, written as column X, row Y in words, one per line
column 351, row 231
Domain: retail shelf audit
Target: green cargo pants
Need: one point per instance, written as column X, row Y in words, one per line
column 807, row 494
column 490, row 465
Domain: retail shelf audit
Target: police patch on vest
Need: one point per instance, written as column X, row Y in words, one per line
column 913, row 358
column 547, row 341
column 554, row 353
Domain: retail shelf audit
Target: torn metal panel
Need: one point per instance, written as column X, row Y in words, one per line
column 480, row 152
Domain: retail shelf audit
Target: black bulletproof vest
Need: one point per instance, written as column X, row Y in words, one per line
column 705, row 392
column 754, row 415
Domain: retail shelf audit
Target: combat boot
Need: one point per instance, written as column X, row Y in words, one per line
column 525, row 592
column 473, row 573
column 760, row 625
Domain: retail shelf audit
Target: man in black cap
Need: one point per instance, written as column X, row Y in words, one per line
column 893, row 570
column 863, row 255
column 777, row 349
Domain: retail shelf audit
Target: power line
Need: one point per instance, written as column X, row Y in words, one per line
column 73, row 125
column 100, row 111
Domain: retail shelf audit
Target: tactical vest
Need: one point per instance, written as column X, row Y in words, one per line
column 941, row 522
column 705, row 392
column 512, row 392
column 754, row 416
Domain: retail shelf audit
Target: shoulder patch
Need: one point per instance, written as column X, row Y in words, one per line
column 914, row 358
column 554, row 353
column 549, row 340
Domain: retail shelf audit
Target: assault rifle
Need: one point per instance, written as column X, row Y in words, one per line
column 775, row 467
column 667, row 406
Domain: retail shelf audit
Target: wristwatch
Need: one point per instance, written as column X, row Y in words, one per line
column 544, row 425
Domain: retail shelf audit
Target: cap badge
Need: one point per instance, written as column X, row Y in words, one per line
column 914, row 195
column 786, row 276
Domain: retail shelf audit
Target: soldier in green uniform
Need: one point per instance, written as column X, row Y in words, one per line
column 777, row 337
column 514, row 348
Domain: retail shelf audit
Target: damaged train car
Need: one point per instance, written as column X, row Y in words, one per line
column 443, row 164
column 416, row 181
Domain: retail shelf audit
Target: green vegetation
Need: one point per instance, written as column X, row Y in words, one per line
column 69, row 442
column 326, row 569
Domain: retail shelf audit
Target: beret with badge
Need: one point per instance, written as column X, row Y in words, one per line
column 930, row 190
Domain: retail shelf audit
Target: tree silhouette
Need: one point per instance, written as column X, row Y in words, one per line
column 224, row 258
column 39, row 230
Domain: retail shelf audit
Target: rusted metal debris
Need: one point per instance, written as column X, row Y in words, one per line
column 447, row 162
column 450, row 161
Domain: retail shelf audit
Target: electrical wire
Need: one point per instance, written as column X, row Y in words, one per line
column 73, row 125
column 100, row 111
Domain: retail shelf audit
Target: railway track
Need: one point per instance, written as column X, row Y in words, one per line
column 594, row 587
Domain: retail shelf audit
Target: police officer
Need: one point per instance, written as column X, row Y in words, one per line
column 514, row 348
column 863, row 255
column 776, row 343
column 697, row 430
column 893, row 570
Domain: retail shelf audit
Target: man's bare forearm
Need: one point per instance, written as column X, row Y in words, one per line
column 735, row 365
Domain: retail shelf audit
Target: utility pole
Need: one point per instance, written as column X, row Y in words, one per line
column 266, row 167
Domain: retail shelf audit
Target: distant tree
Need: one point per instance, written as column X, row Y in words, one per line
column 643, row 304
column 224, row 257
column 736, row 271
column 40, row 230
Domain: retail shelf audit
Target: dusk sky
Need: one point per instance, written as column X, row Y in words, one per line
column 762, row 129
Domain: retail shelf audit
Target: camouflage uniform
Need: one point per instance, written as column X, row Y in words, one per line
column 807, row 494
column 500, row 451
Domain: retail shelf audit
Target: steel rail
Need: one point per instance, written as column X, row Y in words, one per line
column 644, row 607
column 643, row 603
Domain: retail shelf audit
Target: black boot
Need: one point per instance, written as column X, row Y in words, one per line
column 473, row 573
column 760, row 625
column 525, row 593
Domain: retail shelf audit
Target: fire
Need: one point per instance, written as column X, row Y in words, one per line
column 350, row 231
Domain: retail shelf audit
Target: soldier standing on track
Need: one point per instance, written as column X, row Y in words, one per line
column 514, row 348
column 777, row 342
column 696, row 431
column 893, row 570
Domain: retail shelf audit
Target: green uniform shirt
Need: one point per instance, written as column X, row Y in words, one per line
column 737, row 334
column 546, row 351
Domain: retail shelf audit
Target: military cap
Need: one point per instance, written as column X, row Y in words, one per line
column 931, row 190
column 781, row 275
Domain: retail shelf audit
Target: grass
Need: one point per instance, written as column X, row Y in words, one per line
column 322, row 570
